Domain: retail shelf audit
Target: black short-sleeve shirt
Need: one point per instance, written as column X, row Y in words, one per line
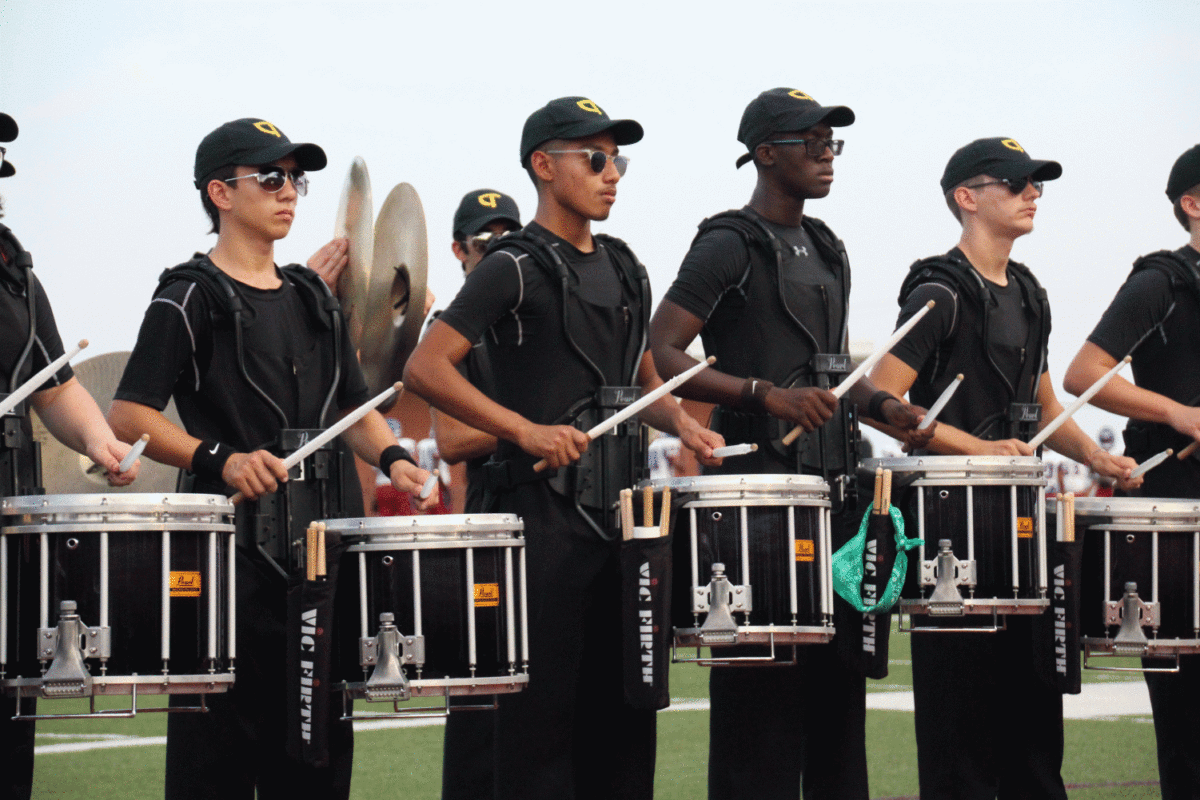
column 14, row 330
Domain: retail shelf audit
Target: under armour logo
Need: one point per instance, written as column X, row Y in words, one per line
column 489, row 199
column 800, row 250
column 267, row 127
column 588, row 105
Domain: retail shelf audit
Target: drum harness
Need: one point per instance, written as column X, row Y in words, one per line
column 279, row 519
column 1147, row 438
column 17, row 276
column 1021, row 419
column 612, row 462
column 813, row 453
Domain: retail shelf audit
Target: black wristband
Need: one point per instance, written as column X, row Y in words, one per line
column 390, row 455
column 208, row 462
column 875, row 407
column 754, row 395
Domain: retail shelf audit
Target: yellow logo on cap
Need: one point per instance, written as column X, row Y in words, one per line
column 588, row 105
column 799, row 95
column 489, row 199
column 267, row 127
column 1011, row 144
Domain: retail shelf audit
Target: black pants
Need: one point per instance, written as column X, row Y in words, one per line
column 570, row 735
column 1175, row 699
column 16, row 743
column 467, row 754
column 772, row 728
column 240, row 743
column 988, row 722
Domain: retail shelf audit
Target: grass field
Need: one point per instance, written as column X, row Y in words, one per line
column 1105, row 758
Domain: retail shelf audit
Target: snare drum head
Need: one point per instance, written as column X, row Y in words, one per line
column 959, row 466
column 406, row 528
column 1140, row 508
column 58, row 507
column 799, row 487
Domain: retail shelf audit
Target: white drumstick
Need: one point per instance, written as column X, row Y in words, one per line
column 866, row 366
column 427, row 489
column 133, row 453
column 734, row 450
column 940, row 403
column 633, row 408
column 1058, row 421
column 1150, row 463
column 30, row 386
column 333, row 430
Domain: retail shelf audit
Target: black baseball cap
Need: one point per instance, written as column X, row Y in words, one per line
column 1000, row 157
column 482, row 207
column 784, row 109
column 251, row 142
column 1184, row 175
column 573, row 118
column 8, row 132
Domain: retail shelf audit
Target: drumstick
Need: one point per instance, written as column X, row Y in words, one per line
column 633, row 408
column 887, row 491
column 310, row 552
column 1067, row 509
column 427, row 489
column 129, row 458
column 1150, row 463
column 333, row 430
column 1187, row 451
column 1058, row 421
column 627, row 514
column 321, row 571
column 30, row 386
column 877, row 503
column 940, row 403
column 648, row 507
column 665, row 516
column 865, row 367
column 734, row 450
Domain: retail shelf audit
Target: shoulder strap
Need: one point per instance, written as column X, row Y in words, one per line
column 1173, row 265
column 320, row 301
column 218, row 289
column 964, row 280
column 749, row 227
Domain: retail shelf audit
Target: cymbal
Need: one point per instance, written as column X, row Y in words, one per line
column 396, row 295
column 65, row 472
column 353, row 222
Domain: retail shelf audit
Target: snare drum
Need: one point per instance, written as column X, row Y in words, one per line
column 120, row 594
column 1140, row 590
column 441, row 603
column 752, row 556
column 983, row 520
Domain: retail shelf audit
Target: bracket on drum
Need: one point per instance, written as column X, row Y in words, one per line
column 720, row 599
column 947, row 575
column 389, row 651
column 66, row 646
column 1131, row 613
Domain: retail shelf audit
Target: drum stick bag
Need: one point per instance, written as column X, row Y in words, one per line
column 1056, row 633
column 646, row 617
column 312, row 703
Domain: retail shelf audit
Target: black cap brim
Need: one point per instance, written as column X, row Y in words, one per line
column 7, row 169
column 1033, row 168
column 482, row 222
column 8, row 128
column 309, row 157
column 624, row 131
column 834, row 116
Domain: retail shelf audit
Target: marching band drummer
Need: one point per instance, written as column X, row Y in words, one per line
column 767, row 288
column 563, row 313
column 987, row 725
column 467, row 748
column 29, row 341
column 1155, row 317
column 249, row 350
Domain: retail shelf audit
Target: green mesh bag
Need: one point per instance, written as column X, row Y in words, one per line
column 848, row 565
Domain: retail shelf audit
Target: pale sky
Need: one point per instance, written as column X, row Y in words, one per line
column 113, row 97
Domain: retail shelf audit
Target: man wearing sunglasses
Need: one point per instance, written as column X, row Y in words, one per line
column 1155, row 317
column 767, row 289
column 991, row 323
column 563, row 313
column 257, row 359
column 29, row 340
column 482, row 216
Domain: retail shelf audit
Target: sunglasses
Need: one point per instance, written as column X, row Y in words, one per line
column 598, row 159
column 816, row 147
column 1015, row 185
column 272, row 179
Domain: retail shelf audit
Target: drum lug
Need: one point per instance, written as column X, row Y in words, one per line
column 723, row 598
column 67, row 676
column 390, row 651
column 946, row 575
column 1131, row 613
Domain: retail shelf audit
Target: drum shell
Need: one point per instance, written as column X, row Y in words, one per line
column 196, row 533
column 380, row 560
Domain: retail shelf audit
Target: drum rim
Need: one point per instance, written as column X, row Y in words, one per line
column 750, row 482
column 425, row 524
column 1137, row 507
column 937, row 464
column 40, row 505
